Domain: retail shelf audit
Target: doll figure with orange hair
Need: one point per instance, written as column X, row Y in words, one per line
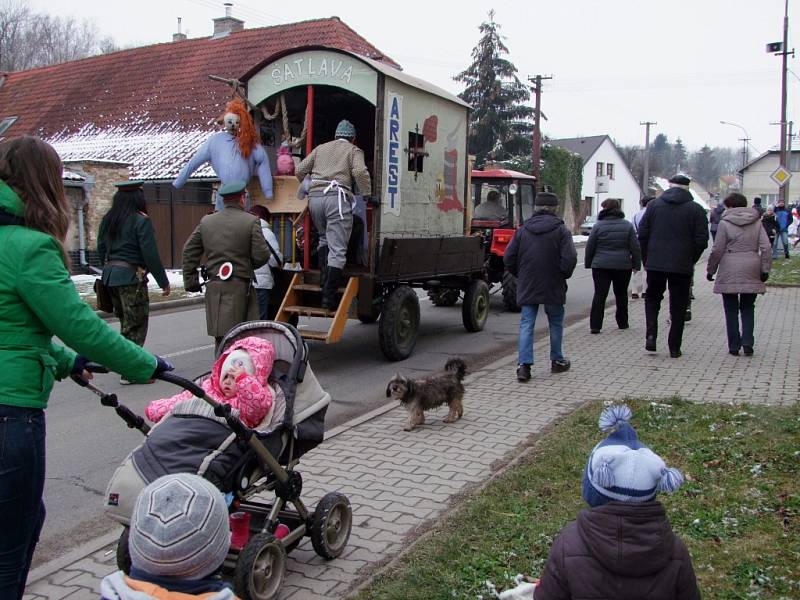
column 235, row 154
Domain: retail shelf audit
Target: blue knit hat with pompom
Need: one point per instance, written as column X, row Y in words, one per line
column 621, row 468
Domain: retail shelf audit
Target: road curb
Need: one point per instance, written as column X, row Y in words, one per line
column 74, row 555
column 164, row 305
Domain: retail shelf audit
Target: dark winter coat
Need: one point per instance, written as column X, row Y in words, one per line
column 136, row 245
column 619, row 550
column 783, row 216
column 673, row 232
column 741, row 252
column 542, row 257
column 613, row 243
column 770, row 226
column 716, row 216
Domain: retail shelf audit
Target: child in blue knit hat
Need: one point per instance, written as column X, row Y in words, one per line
column 623, row 546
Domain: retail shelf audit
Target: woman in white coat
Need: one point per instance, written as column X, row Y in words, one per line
column 264, row 281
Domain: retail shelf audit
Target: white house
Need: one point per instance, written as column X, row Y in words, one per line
column 756, row 180
column 603, row 170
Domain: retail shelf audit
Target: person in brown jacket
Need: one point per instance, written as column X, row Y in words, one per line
column 623, row 547
column 742, row 259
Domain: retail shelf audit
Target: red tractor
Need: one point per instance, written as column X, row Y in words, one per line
column 501, row 202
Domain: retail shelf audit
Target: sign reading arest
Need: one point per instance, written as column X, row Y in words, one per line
column 394, row 125
column 314, row 67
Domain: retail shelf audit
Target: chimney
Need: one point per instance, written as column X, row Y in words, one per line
column 227, row 24
column 178, row 37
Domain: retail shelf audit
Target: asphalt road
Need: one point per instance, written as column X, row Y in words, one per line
column 86, row 442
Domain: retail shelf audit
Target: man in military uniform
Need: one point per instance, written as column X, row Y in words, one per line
column 334, row 168
column 234, row 246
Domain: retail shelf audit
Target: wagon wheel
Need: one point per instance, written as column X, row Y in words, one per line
column 475, row 309
column 510, row 292
column 399, row 324
column 260, row 569
column 444, row 296
column 123, row 552
column 331, row 524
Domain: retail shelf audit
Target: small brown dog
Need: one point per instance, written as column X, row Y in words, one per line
column 419, row 395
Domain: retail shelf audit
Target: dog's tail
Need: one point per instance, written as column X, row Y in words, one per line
column 458, row 366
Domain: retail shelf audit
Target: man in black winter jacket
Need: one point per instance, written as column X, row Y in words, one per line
column 542, row 257
column 673, row 235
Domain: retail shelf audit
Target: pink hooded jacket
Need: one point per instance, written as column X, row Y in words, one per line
column 253, row 398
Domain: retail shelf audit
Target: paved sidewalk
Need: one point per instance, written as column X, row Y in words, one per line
column 397, row 480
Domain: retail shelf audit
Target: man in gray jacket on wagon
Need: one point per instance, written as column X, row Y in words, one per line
column 334, row 168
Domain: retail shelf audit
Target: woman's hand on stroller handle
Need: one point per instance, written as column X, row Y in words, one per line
column 83, row 368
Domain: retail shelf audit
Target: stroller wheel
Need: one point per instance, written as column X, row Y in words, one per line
column 260, row 569
column 123, row 553
column 331, row 524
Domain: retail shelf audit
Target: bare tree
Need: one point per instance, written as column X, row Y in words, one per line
column 28, row 39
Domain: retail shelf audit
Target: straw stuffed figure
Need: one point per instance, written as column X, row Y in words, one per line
column 235, row 154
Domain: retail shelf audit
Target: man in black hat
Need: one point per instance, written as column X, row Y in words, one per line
column 234, row 247
column 542, row 257
column 673, row 234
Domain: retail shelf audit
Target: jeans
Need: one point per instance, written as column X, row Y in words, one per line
column 781, row 239
column 262, row 295
column 527, row 321
column 603, row 279
column 680, row 285
column 22, row 459
column 735, row 304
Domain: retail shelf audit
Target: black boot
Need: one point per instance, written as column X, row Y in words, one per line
column 331, row 287
column 322, row 263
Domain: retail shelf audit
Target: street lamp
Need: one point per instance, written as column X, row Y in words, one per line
column 744, row 141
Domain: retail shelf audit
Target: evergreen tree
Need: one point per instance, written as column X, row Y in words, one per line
column 660, row 156
column 679, row 161
column 705, row 167
column 500, row 124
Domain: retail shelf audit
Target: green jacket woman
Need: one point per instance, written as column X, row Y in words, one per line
column 38, row 301
column 126, row 244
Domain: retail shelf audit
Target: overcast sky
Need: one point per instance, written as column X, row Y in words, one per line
column 686, row 64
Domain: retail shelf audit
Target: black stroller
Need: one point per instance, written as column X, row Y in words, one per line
column 248, row 465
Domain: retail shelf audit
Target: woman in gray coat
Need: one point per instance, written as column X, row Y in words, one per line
column 612, row 253
column 742, row 259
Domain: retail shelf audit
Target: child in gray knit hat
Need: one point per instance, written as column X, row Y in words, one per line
column 179, row 537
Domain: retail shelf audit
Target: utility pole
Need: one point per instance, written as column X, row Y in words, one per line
column 646, row 174
column 785, row 186
column 784, row 52
column 536, row 150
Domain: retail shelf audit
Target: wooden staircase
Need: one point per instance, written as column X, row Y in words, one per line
column 303, row 298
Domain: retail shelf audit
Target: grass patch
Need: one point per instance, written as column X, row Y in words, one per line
column 738, row 512
column 785, row 271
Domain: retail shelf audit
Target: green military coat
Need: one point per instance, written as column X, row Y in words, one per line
column 230, row 235
column 136, row 244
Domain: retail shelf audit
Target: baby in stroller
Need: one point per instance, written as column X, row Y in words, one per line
column 239, row 377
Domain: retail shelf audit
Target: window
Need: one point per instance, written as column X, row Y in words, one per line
column 526, row 200
column 794, row 162
column 6, row 123
column 416, row 151
column 610, row 170
column 589, row 200
column 599, row 172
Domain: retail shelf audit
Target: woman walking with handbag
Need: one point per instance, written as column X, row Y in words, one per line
column 126, row 244
column 742, row 259
column 39, row 301
column 612, row 253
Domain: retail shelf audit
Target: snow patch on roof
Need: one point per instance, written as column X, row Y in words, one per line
column 71, row 176
column 154, row 150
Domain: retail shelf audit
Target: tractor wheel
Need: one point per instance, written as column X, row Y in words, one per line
column 399, row 323
column 475, row 309
column 444, row 296
column 510, row 292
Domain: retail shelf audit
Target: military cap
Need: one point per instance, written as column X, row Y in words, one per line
column 232, row 188
column 129, row 185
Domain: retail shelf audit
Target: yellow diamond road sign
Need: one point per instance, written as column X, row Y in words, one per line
column 780, row 176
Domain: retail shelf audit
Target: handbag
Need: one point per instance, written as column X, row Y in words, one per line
column 103, row 295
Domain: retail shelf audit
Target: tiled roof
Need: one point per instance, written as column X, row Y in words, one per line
column 152, row 106
column 585, row 146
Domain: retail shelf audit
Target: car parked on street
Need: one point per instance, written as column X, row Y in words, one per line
column 586, row 226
